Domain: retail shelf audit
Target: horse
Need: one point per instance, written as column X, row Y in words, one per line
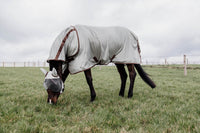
column 79, row 48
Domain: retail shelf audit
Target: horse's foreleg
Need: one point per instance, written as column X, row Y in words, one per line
column 132, row 75
column 65, row 75
column 88, row 77
column 123, row 76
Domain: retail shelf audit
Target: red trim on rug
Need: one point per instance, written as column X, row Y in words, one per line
column 71, row 57
column 62, row 44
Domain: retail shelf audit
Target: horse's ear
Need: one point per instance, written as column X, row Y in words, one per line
column 43, row 71
column 54, row 72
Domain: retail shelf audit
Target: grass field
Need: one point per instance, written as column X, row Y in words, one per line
column 174, row 106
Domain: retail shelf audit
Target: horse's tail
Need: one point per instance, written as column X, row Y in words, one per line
column 144, row 75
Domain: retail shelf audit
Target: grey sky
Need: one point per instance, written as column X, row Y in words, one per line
column 164, row 27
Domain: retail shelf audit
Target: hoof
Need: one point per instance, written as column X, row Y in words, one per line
column 92, row 98
column 130, row 95
column 121, row 94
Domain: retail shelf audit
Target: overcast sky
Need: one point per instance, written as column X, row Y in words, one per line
column 164, row 27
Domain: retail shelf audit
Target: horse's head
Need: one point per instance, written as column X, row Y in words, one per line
column 53, row 84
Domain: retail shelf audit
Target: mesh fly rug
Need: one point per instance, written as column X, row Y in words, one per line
column 87, row 46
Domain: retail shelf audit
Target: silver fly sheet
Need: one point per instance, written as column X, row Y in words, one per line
column 89, row 46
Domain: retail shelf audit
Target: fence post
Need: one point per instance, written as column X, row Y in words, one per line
column 165, row 61
column 3, row 63
column 185, row 65
column 34, row 64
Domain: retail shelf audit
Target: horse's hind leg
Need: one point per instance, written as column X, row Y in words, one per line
column 88, row 77
column 132, row 75
column 123, row 76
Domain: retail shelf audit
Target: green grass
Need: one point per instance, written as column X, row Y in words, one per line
column 174, row 106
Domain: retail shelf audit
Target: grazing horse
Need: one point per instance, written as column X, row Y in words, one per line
column 79, row 48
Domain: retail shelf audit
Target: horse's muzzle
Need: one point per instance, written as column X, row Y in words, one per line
column 52, row 100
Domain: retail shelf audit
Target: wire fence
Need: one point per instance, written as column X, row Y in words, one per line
column 24, row 64
column 175, row 60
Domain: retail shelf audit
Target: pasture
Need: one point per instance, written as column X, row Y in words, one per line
column 174, row 106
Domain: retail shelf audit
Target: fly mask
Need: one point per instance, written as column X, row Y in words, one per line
column 52, row 81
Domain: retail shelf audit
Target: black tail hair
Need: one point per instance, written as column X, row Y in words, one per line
column 144, row 75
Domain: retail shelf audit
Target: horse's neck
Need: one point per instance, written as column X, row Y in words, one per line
column 57, row 65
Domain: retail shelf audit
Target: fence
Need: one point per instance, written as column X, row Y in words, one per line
column 189, row 59
column 24, row 64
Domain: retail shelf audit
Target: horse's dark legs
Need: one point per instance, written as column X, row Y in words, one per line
column 132, row 75
column 123, row 76
column 88, row 77
column 65, row 75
